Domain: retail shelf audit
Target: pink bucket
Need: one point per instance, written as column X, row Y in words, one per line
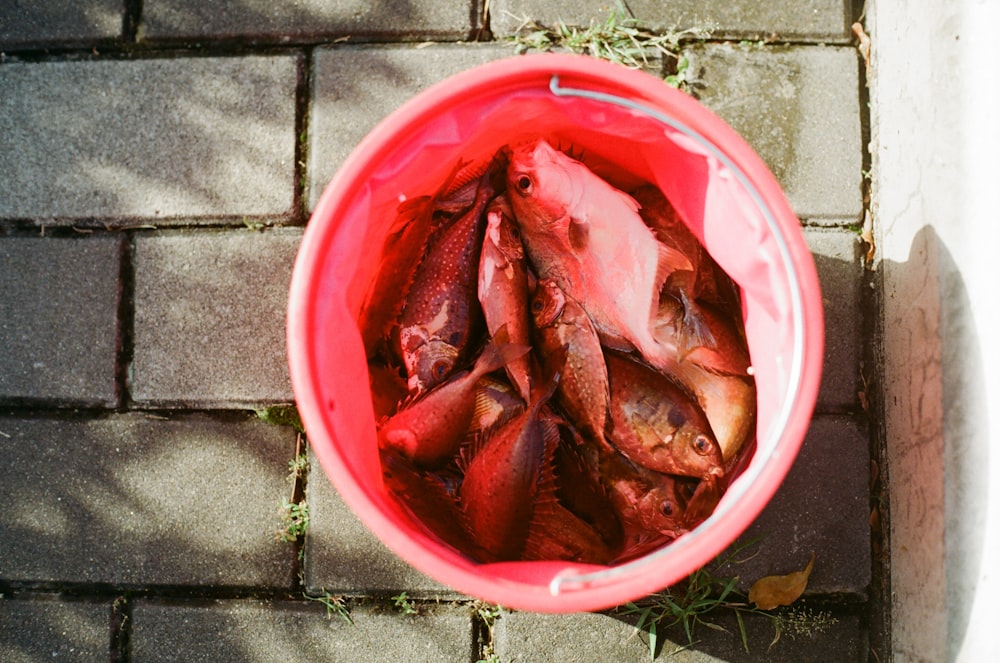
column 726, row 194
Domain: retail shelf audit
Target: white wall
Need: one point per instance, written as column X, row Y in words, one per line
column 935, row 96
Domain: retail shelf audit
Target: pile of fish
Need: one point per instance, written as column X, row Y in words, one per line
column 559, row 368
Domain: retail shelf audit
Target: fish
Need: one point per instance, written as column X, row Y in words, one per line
column 503, row 287
column 506, row 477
column 429, row 429
column 441, row 311
column 563, row 329
column 428, row 498
column 650, row 505
column 588, row 237
column 719, row 378
column 404, row 245
column 657, row 424
column 388, row 389
column 496, row 402
column 705, row 282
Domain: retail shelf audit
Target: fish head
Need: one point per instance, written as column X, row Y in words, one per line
column 697, row 451
column 660, row 508
column 502, row 232
column 540, row 184
column 547, row 303
column 433, row 362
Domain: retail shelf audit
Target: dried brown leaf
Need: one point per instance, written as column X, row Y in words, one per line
column 773, row 591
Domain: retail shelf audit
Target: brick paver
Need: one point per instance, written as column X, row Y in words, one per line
column 306, row 19
column 140, row 500
column 47, row 629
column 238, row 631
column 791, row 20
column 838, row 256
column 59, row 319
column 59, row 22
column 210, row 317
column 821, row 507
column 345, row 79
column 798, row 108
column 151, row 138
column 534, row 638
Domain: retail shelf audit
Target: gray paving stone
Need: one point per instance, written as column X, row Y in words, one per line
column 305, row 19
column 25, row 24
column 798, row 108
column 377, row 80
column 822, row 506
column 134, row 500
column 295, row 631
column 821, row 20
column 156, row 138
column 209, row 326
column 59, row 319
column 838, row 256
column 524, row 637
column 50, row 630
column 343, row 556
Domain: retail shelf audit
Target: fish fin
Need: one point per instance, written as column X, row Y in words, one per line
column 498, row 352
column 579, row 234
column 668, row 261
column 697, row 331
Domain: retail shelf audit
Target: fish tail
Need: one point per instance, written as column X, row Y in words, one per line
column 498, row 353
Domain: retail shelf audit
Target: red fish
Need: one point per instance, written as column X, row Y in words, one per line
column 564, row 328
column 718, row 378
column 588, row 237
column 655, row 423
column 496, row 403
column 503, row 287
column 428, row 499
column 441, row 310
column 705, row 282
column 430, row 429
column 404, row 246
column 505, row 478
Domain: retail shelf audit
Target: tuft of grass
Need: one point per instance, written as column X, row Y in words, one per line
column 281, row 415
column 403, row 603
column 488, row 614
column 294, row 510
column 335, row 605
column 619, row 38
column 294, row 521
column 703, row 596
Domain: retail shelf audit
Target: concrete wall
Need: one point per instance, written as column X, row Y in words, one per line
column 936, row 200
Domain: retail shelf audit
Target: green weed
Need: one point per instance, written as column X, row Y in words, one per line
column 702, row 597
column 335, row 605
column 619, row 38
column 404, row 604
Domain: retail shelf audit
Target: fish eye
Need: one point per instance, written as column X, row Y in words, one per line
column 439, row 369
column 667, row 508
column 702, row 445
column 523, row 184
column 537, row 305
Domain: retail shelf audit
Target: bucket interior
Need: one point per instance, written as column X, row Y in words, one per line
column 724, row 194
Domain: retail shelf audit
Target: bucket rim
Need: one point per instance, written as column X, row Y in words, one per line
column 576, row 588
